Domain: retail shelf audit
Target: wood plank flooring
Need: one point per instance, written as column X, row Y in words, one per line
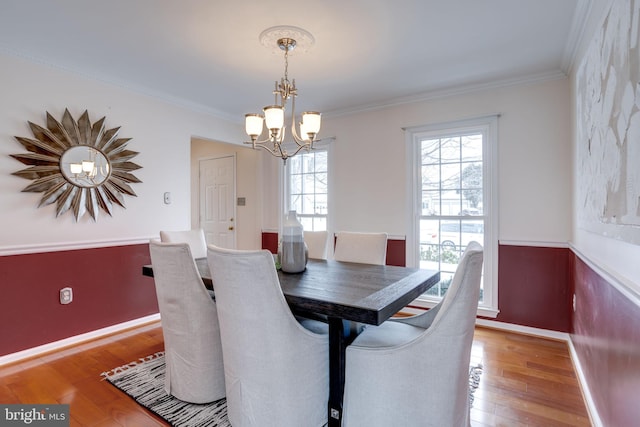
column 526, row 381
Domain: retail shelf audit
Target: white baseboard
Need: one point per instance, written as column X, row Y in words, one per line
column 591, row 406
column 56, row 345
column 528, row 330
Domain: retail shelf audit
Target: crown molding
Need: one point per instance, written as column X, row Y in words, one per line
column 449, row 92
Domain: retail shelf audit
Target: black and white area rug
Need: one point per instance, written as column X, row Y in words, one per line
column 143, row 380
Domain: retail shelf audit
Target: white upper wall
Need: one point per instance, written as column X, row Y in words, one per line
column 614, row 257
column 368, row 161
column 368, row 168
column 160, row 132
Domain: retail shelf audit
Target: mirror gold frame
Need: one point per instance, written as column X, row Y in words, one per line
column 57, row 141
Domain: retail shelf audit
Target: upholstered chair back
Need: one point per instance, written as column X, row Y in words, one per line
column 195, row 238
column 193, row 352
column 363, row 248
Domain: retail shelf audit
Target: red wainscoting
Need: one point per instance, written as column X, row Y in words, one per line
column 108, row 288
column 606, row 337
column 270, row 241
column 396, row 252
column 534, row 287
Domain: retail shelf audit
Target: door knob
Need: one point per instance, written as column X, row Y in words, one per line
column 231, row 228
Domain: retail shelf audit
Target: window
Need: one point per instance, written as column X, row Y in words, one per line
column 455, row 202
column 308, row 188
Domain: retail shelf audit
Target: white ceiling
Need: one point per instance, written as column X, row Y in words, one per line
column 205, row 54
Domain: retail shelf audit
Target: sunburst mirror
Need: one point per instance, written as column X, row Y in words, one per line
column 80, row 166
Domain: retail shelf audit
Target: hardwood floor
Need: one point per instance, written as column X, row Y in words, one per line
column 526, row 381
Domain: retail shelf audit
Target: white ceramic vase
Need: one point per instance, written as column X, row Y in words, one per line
column 293, row 251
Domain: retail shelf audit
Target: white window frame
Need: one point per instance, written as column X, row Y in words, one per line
column 488, row 126
column 319, row 146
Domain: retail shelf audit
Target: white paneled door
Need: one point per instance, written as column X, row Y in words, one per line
column 217, row 201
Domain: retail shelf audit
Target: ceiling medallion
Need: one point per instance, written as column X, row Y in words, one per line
column 80, row 166
column 269, row 38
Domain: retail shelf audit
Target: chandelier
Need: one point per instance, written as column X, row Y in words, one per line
column 273, row 117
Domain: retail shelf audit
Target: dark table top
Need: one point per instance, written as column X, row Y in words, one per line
column 358, row 292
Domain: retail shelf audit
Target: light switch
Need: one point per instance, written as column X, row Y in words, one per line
column 167, row 198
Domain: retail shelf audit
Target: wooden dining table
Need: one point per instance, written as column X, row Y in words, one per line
column 341, row 293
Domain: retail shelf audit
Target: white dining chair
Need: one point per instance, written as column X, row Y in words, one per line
column 317, row 244
column 195, row 238
column 363, row 248
column 276, row 371
column 414, row 372
column 193, row 353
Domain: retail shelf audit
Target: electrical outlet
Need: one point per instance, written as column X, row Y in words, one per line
column 167, row 198
column 66, row 295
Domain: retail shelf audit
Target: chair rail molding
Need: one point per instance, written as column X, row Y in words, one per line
column 70, row 246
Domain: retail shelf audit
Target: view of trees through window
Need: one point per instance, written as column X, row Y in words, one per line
column 451, row 191
column 308, row 188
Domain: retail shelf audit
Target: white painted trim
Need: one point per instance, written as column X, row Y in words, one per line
column 57, row 345
column 584, row 386
column 610, row 278
column 534, row 244
column 70, row 246
column 449, row 92
column 397, row 237
column 526, row 330
column 488, row 126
